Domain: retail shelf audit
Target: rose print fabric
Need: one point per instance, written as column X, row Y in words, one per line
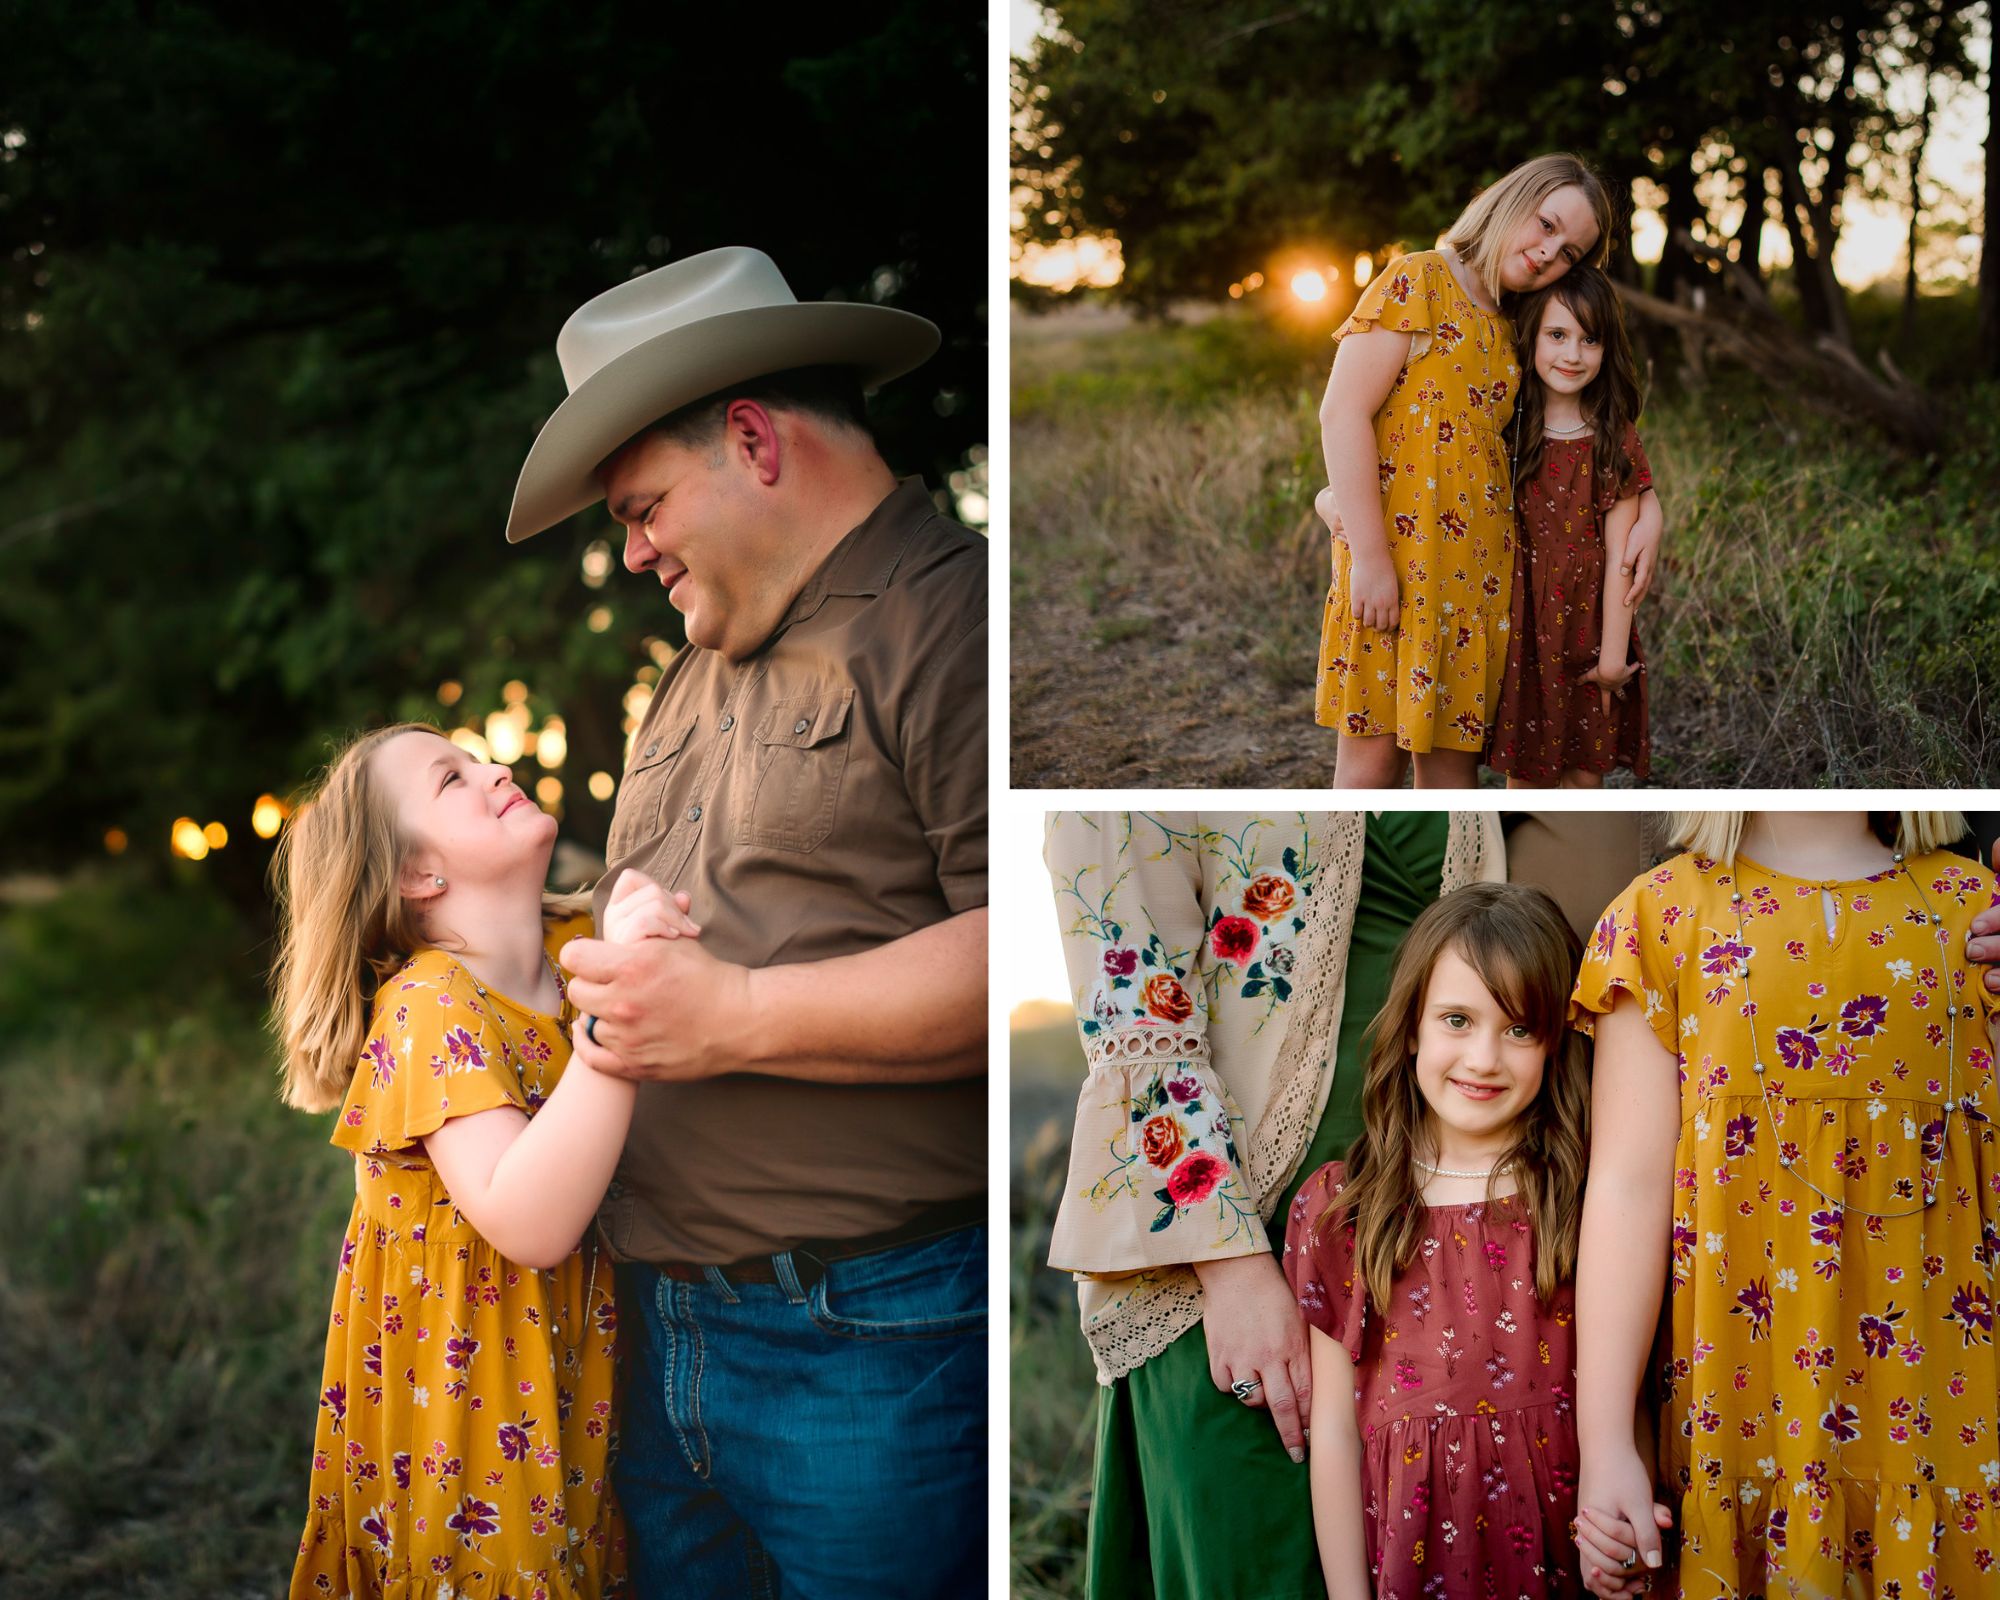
column 1548, row 721
column 1157, row 1170
column 466, row 1406
column 1434, row 680
column 1465, row 1392
column 1830, row 1401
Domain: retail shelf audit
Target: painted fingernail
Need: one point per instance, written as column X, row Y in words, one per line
column 1652, row 1558
column 1298, row 1456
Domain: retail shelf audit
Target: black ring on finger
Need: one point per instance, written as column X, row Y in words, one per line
column 590, row 1031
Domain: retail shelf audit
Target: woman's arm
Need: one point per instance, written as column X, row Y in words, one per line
column 1622, row 1262
column 1364, row 371
column 1338, row 1515
column 531, row 1185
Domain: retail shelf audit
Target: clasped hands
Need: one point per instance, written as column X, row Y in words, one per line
column 665, row 1008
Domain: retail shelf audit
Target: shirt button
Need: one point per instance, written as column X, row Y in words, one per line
column 694, row 813
column 728, row 722
column 651, row 749
column 801, row 725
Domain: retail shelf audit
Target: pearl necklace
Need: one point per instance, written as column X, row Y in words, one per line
column 1928, row 1179
column 1449, row 1172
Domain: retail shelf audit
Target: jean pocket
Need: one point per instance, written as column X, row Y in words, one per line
column 933, row 1289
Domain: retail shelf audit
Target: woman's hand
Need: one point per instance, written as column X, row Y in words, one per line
column 640, row 909
column 1618, row 1524
column 1256, row 1332
column 1372, row 595
column 1610, row 681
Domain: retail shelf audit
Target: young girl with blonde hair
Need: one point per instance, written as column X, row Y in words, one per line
column 1434, row 1269
column 1793, row 1138
column 1413, row 426
column 466, row 1404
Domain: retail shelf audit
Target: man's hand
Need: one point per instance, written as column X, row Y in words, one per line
column 666, row 1009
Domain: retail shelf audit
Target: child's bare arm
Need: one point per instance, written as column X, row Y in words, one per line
column 1364, row 371
column 1336, row 1473
column 1614, row 669
column 1622, row 1263
column 1642, row 550
column 531, row 1185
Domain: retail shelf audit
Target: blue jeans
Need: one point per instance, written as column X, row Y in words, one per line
column 780, row 1440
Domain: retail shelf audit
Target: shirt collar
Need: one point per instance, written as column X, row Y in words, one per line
column 866, row 558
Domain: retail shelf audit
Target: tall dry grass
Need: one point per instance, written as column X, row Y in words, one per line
column 172, row 1236
column 1827, row 614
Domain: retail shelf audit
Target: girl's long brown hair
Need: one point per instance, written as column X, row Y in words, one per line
column 1526, row 954
column 1612, row 402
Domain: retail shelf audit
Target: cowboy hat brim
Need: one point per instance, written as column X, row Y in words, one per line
column 682, row 365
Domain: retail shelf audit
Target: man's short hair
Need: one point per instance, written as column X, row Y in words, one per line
column 828, row 394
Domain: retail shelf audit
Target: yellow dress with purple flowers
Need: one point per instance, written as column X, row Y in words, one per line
column 1832, row 1395
column 466, row 1405
column 1434, row 679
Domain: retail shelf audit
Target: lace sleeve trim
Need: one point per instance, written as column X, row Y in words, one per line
column 1129, row 1046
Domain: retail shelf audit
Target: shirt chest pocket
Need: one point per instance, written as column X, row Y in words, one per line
column 654, row 763
column 798, row 755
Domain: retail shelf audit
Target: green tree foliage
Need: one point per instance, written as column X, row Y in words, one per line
column 1206, row 134
column 279, row 289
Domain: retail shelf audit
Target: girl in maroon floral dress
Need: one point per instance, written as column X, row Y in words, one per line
column 1434, row 1267
column 1572, row 703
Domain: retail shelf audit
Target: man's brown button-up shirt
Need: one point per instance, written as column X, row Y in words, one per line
column 821, row 797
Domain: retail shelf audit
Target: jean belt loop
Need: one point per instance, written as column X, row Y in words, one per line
column 788, row 1277
column 719, row 1282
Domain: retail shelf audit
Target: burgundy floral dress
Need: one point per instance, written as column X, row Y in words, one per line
column 1548, row 720
column 1465, row 1387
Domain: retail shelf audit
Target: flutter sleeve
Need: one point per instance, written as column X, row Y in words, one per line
column 1156, row 1169
column 1637, row 949
column 1406, row 296
column 1637, row 477
column 433, row 1053
column 1319, row 1261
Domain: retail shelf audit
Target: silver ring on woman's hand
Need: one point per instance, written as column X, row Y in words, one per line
column 1626, row 1564
column 590, row 1031
column 1244, row 1388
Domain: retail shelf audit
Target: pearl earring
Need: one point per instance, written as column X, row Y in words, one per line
column 438, row 881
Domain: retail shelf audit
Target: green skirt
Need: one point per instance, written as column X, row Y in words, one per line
column 1193, row 1494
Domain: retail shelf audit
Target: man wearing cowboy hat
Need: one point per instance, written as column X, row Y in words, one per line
column 798, row 1216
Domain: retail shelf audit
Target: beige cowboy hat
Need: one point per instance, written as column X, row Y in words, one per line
column 657, row 342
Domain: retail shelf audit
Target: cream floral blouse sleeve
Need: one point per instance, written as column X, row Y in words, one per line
column 1157, row 1173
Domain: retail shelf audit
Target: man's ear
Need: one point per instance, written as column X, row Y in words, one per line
column 750, row 436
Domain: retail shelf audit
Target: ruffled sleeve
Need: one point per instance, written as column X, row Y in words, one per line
column 1637, row 948
column 1319, row 1261
column 1156, row 1168
column 1406, row 296
column 1637, row 479
column 433, row 1053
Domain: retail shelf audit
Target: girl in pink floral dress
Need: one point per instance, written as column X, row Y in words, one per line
column 1434, row 1268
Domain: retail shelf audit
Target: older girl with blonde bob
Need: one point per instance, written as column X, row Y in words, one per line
column 465, row 1413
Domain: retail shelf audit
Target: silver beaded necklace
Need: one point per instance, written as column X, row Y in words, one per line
column 1928, row 1184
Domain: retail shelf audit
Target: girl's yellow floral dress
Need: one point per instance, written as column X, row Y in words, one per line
column 1434, row 680
column 1831, row 1392
column 466, row 1407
